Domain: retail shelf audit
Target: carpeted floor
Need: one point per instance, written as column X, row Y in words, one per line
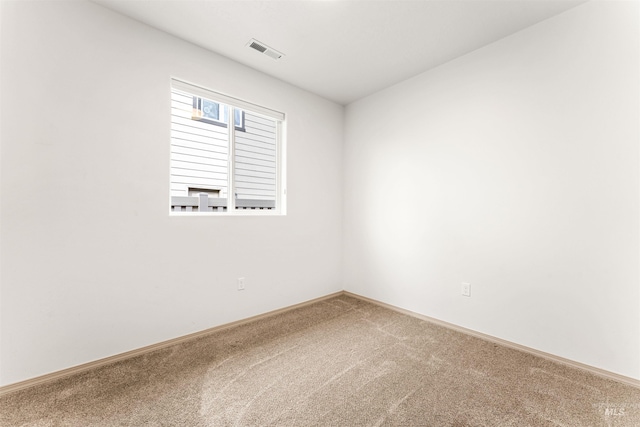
column 340, row 362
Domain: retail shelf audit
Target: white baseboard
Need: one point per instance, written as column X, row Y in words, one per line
column 572, row 363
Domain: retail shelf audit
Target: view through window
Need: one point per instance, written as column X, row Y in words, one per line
column 220, row 168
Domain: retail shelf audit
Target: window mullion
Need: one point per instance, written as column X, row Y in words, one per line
column 231, row 196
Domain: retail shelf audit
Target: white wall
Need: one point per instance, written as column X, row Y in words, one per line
column 92, row 263
column 514, row 168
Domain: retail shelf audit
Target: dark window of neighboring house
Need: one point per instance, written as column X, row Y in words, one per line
column 212, row 112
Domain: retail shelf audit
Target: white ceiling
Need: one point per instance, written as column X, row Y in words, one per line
column 342, row 50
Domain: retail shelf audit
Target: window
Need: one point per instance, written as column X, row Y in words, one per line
column 208, row 111
column 219, row 168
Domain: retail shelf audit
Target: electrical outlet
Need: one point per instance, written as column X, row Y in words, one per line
column 241, row 283
column 466, row 289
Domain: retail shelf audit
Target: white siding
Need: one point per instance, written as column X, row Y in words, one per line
column 255, row 159
column 199, row 153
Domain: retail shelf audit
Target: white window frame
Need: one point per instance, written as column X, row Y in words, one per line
column 235, row 103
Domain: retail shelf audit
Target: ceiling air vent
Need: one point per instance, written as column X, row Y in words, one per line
column 264, row 49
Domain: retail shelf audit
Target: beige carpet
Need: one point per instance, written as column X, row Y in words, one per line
column 340, row 362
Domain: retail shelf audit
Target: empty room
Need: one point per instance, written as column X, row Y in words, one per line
column 425, row 213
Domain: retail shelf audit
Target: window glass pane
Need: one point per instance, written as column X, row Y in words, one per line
column 255, row 162
column 199, row 150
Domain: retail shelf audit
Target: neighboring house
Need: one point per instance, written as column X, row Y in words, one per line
column 200, row 153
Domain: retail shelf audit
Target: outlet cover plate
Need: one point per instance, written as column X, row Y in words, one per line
column 466, row 289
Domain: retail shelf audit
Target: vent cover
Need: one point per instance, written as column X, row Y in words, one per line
column 264, row 49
